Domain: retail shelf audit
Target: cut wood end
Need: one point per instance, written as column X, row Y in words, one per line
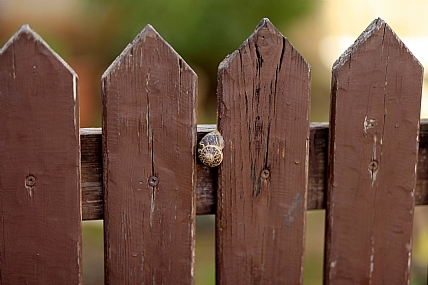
column 403, row 47
column 367, row 33
column 266, row 24
column 147, row 32
column 149, row 27
column 224, row 64
column 262, row 23
column 90, row 131
column 377, row 25
column 24, row 30
column 32, row 36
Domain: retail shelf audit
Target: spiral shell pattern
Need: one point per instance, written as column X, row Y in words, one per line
column 210, row 149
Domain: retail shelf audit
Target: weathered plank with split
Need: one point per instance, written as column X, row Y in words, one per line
column 376, row 97
column 263, row 114
column 149, row 141
column 40, row 202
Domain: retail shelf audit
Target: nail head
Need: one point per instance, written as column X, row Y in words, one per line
column 153, row 181
column 373, row 165
column 265, row 174
column 30, row 181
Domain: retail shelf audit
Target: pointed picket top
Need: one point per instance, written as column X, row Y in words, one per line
column 376, row 28
column 263, row 115
column 264, row 26
column 25, row 33
column 374, row 125
column 149, row 133
column 39, row 144
column 140, row 39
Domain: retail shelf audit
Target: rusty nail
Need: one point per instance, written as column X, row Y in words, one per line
column 265, row 174
column 373, row 165
column 30, row 181
column 153, row 181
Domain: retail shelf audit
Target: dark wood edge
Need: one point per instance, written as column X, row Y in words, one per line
column 92, row 195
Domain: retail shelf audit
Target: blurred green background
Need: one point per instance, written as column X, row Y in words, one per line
column 90, row 34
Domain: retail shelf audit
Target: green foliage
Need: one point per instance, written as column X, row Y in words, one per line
column 202, row 31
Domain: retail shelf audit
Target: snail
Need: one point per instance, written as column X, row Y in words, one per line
column 210, row 149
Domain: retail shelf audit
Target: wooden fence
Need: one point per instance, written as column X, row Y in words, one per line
column 140, row 173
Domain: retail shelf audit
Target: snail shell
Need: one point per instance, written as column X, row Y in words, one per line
column 210, row 149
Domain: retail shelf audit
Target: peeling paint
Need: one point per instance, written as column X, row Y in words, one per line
column 13, row 62
column 152, row 205
column 371, row 260
column 368, row 124
column 292, row 210
column 332, row 271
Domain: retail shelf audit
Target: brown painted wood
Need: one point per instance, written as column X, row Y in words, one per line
column 206, row 181
column 149, row 141
column 263, row 101
column 376, row 96
column 92, row 174
column 40, row 204
column 421, row 191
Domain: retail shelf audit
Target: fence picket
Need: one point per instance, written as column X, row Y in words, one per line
column 141, row 174
column 149, row 140
column 40, row 203
column 376, row 96
column 262, row 185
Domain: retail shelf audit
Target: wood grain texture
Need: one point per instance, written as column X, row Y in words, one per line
column 376, row 96
column 40, row 204
column 92, row 203
column 92, row 194
column 149, row 142
column 263, row 101
column 92, row 174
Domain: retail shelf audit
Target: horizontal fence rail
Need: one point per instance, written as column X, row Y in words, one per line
column 92, row 194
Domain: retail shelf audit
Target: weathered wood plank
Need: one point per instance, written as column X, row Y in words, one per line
column 92, row 203
column 263, row 114
column 40, row 203
column 375, row 111
column 92, row 174
column 149, row 141
column 421, row 191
